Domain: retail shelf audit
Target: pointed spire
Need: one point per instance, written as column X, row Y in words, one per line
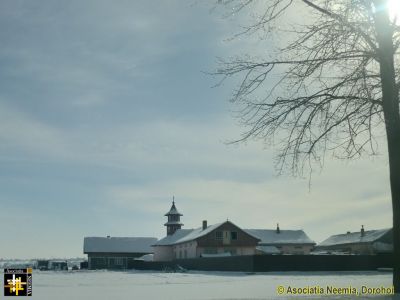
column 173, row 210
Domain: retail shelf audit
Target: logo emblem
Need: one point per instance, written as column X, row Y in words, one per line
column 18, row 282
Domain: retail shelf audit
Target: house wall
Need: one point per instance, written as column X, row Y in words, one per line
column 294, row 248
column 163, row 253
column 364, row 248
column 244, row 244
column 233, row 250
column 356, row 248
column 110, row 261
column 185, row 250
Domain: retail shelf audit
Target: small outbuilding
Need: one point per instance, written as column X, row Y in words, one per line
column 360, row 242
column 114, row 252
column 282, row 241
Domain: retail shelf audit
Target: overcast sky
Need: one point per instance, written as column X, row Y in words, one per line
column 106, row 113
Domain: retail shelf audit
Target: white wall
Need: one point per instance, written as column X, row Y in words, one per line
column 163, row 253
column 185, row 250
column 296, row 249
column 239, row 250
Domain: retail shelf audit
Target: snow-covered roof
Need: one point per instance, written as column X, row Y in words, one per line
column 272, row 237
column 146, row 257
column 172, row 239
column 118, row 244
column 354, row 237
column 186, row 235
column 266, row 236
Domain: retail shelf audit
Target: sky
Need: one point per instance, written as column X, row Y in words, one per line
column 107, row 112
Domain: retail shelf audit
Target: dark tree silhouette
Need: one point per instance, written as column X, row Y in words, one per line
column 337, row 88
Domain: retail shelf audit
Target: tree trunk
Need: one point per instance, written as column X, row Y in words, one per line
column 394, row 165
column 390, row 99
column 393, row 138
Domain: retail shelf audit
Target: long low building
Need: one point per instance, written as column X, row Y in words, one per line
column 282, row 241
column 114, row 252
column 360, row 242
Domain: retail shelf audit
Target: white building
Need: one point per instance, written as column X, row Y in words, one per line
column 226, row 238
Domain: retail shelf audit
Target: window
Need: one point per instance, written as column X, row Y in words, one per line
column 185, row 253
column 233, row 235
column 218, row 235
column 98, row 262
column 118, row 261
column 172, row 218
column 298, row 247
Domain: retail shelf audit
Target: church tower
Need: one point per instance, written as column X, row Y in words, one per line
column 174, row 219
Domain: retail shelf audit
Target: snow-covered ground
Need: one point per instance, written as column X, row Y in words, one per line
column 105, row 285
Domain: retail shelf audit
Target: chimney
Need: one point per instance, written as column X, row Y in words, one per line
column 277, row 228
column 204, row 224
column 362, row 230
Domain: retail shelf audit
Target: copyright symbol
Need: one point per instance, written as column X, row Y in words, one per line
column 280, row 289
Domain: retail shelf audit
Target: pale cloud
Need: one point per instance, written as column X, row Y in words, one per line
column 22, row 133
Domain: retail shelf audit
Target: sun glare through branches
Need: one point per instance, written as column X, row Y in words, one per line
column 394, row 10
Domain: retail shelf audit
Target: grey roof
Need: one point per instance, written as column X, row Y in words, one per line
column 171, row 239
column 173, row 210
column 354, row 237
column 271, row 237
column 186, row 235
column 118, row 244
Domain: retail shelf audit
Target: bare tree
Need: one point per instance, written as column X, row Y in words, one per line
column 337, row 88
